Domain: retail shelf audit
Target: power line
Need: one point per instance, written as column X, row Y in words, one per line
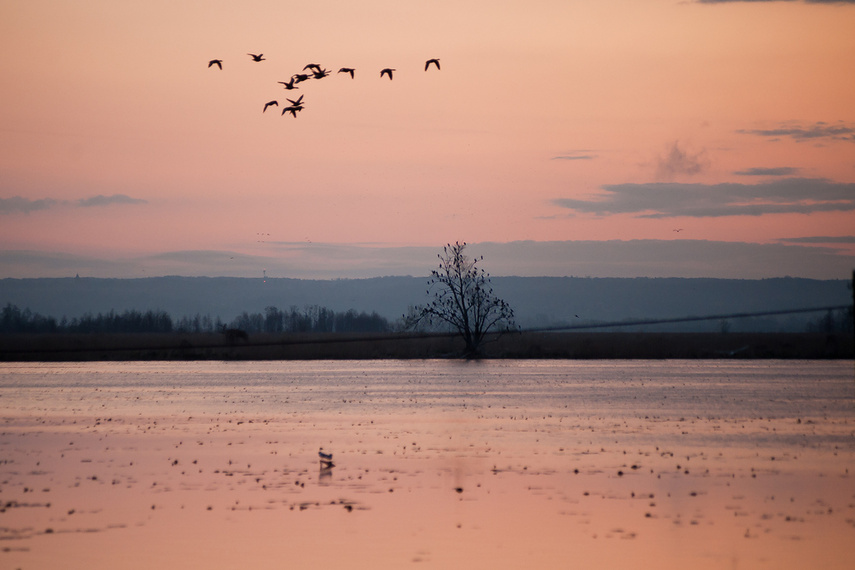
column 685, row 319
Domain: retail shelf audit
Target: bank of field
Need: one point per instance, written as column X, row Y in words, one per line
column 575, row 345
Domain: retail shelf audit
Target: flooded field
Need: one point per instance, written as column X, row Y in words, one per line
column 436, row 464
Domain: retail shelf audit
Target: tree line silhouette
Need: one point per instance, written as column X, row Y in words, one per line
column 311, row 319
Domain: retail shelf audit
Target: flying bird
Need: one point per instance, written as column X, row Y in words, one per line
column 292, row 109
column 349, row 70
column 256, row 57
column 312, row 66
column 217, row 62
column 387, row 71
column 297, row 103
column 269, row 103
column 320, row 73
column 431, row 61
column 300, row 77
column 288, row 84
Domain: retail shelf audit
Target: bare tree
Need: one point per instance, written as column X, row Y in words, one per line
column 463, row 298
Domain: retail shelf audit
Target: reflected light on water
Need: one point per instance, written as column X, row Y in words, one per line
column 542, row 464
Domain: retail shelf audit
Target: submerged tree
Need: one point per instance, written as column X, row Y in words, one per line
column 463, row 299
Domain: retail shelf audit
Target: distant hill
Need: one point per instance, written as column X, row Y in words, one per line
column 538, row 301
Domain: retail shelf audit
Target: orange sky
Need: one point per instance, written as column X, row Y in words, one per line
column 542, row 110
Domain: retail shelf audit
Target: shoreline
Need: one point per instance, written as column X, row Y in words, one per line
column 403, row 346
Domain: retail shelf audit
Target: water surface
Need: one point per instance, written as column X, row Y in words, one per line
column 446, row 464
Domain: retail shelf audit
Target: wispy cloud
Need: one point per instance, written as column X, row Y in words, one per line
column 101, row 200
column 25, row 205
column 817, row 132
column 820, row 239
column 17, row 204
column 770, row 1
column 780, row 171
column 678, row 161
column 666, row 200
column 614, row 258
column 571, row 156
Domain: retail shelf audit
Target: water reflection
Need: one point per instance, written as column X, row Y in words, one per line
column 445, row 464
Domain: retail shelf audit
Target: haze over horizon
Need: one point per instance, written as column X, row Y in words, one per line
column 616, row 138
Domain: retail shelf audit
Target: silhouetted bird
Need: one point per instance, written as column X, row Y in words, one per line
column 300, row 77
column 387, row 71
column 269, row 103
column 292, row 109
column 296, row 103
column 430, row 61
column 312, row 66
column 288, row 84
column 320, row 73
column 256, row 57
column 217, row 62
column 349, row 70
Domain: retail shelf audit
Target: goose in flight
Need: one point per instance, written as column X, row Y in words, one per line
column 217, row 62
column 312, row 66
column 256, row 57
column 292, row 109
column 297, row 103
column 300, row 77
column 288, row 84
column 431, row 61
column 320, row 73
column 387, row 71
column 349, row 70
column 269, row 103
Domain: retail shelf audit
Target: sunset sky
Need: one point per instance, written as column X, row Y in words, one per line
column 559, row 137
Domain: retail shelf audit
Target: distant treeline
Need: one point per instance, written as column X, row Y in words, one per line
column 273, row 320
column 311, row 319
column 832, row 321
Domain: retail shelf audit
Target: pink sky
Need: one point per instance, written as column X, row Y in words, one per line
column 549, row 121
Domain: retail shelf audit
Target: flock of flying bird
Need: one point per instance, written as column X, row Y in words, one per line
column 315, row 71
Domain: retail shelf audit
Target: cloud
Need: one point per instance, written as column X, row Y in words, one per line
column 753, row 1
column 679, row 162
column 780, row 171
column 18, row 204
column 25, row 205
column 575, row 157
column 820, row 239
column 664, row 258
column 817, row 132
column 101, row 200
column 614, row 258
column 666, row 200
